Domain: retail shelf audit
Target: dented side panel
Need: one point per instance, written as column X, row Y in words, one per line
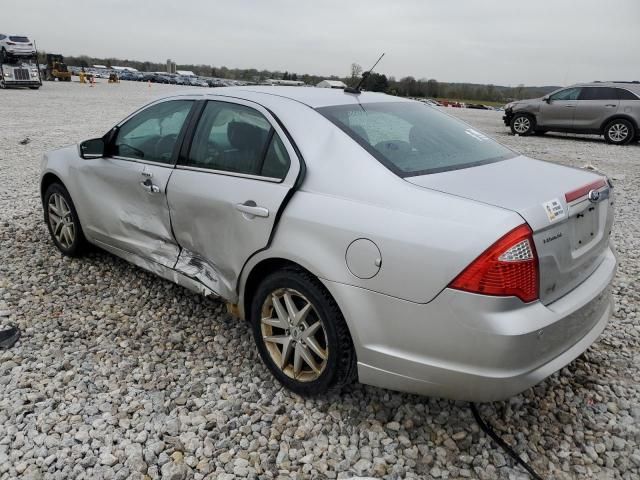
column 121, row 212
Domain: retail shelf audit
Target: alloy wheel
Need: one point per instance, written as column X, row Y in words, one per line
column 61, row 220
column 618, row 132
column 521, row 125
column 294, row 335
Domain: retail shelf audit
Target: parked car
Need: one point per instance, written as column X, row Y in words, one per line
column 15, row 46
column 420, row 278
column 477, row 106
column 611, row 109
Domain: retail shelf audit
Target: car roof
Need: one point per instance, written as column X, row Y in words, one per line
column 633, row 86
column 310, row 96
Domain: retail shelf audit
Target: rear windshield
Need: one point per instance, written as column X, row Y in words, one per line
column 19, row 39
column 411, row 138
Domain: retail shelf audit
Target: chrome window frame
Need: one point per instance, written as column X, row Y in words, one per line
column 292, row 172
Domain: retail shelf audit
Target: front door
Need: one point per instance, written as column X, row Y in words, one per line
column 225, row 194
column 125, row 192
column 559, row 110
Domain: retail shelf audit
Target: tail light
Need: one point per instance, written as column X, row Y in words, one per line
column 509, row 267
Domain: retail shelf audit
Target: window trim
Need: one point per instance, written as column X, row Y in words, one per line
column 112, row 135
column 183, row 159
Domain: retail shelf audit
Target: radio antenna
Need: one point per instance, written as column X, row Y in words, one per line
column 356, row 90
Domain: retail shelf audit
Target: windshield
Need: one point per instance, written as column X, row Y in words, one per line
column 411, row 138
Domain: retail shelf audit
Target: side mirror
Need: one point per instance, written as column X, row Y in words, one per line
column 93, row 148
column 546, row 98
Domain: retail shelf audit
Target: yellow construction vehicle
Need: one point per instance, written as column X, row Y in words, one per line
column 56, row 68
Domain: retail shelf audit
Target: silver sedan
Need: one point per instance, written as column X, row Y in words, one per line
column 363, row 236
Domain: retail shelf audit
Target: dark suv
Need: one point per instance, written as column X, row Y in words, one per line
column 611, row 109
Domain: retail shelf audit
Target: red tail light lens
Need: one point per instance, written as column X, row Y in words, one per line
column 507, row 268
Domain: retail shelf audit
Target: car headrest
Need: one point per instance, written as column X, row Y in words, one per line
column 245, row 136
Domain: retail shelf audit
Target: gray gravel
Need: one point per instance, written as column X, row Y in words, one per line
column 122, row 375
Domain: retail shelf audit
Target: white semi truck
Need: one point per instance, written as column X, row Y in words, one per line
column 20, row 73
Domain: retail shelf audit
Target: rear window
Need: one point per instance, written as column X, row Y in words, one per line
column 411, row 138
column 626, row 95
column 19, row 39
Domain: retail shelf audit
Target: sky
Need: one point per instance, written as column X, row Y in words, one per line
column 504, row 42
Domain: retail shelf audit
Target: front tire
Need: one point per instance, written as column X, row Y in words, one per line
column 619, row 132
column 62, row 221
column 301, row 334
column 522, row 124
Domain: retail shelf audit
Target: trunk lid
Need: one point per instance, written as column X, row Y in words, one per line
column 571, row 228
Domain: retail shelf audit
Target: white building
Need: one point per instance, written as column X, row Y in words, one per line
column 331, row 84
column 186, row 73
column 124, row 69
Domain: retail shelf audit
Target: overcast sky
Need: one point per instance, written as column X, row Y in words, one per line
column 504, row 42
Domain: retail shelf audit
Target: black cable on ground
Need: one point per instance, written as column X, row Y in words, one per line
column 486, row 428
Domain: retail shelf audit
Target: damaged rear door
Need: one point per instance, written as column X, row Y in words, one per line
column 125, row 191
column 225, row 194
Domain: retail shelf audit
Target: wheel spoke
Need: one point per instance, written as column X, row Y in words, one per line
column 281, row 339
column 301, row 315
column 297, row 361
column 308, row 358
column 275, row 322
column 313, row 345
column 286, row 352
column 291, row 307
column 309, row 332
column 280, row 311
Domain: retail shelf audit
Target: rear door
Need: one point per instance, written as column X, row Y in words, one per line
column 124, row 193
column 594, row 106
column 559, row 110
column 227, row 190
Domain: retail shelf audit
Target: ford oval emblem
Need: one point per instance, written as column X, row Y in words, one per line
column 594, row 196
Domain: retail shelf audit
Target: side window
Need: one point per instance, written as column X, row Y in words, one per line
column 626, row 94
column 236, row 138
column 152, row 133
column 2, row 37
column 276, row 162
column 566, row 94
column 598, row 93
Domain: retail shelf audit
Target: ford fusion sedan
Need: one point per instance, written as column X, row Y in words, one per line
column 363, row 236
column 611, row 109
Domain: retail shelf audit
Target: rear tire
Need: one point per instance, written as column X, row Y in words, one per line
column 522, row 124
column 307, row 365
column 619, row 132
column 62, row 221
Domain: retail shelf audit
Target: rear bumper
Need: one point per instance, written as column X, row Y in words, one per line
column 472, row 347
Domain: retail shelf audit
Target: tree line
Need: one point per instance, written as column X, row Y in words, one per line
column 378, row 82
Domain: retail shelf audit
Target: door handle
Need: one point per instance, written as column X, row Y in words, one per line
column 609, row 105
column 569, row 106
column 149, row 186
column 250, row 208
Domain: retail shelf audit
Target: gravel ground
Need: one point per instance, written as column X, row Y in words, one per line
column 122, row 375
